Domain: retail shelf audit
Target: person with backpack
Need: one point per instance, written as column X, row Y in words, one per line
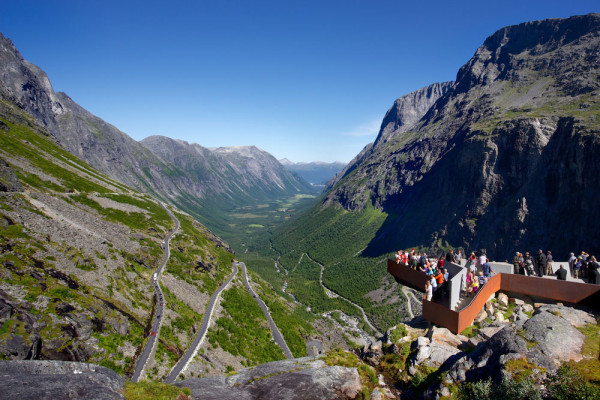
column 529, row 264
column 577, row 268
column 572, row 260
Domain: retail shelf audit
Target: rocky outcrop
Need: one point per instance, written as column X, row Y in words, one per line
column 541, row 342
column 58, row 380
column 555, row 336
column 303, row 378
column 8, row 179
column 503, row 159
column 408, row 110
column 27, row 86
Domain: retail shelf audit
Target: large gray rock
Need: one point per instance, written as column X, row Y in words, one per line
column 49, row 380
column 575, row 317
column 488, row 357
column 423, row 354
column 303, row 378
column 555, row 336
column 440, row 353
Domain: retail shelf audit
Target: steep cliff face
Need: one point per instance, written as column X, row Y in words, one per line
column 408, row 110
column 27, row 86
column 504, row 158
column 401, row 117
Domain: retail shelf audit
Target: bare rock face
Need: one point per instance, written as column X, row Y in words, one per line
column 37, row 380
column 303, row 378
column 555, row 336
column 575, row 317
column 519, row 124
column 489, row 356
column 409, row 109
column 8, row 179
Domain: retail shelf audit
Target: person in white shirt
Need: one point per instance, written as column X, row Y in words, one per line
column 428, row 290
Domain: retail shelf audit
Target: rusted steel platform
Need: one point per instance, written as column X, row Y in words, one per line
column 457, row 321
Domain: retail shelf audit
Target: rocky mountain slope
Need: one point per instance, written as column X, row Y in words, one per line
column 204, row 182
column 77, row 250
column 501, row 159
column 237, row 175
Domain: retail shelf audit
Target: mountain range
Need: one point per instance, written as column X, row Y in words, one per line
column 205, row 182
column 316, row 173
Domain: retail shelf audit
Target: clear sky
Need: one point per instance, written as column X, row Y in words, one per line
column 302, row 79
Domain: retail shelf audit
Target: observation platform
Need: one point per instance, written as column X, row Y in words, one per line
column 443, row 312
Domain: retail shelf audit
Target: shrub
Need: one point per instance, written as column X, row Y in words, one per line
column 507, row 389
column 567, row 384
column 398, row 333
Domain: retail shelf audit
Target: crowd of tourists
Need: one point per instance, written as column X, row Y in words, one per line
column 584, row 266
column 479, row 268
column 527, row 265
column 437, row 285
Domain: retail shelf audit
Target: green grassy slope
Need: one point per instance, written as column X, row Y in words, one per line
column 77, row 250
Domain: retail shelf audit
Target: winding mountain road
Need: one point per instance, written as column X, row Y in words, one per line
column 408, row 306
column 189, row 355
column 150, row 346
column 342, row 297
column 277, row 336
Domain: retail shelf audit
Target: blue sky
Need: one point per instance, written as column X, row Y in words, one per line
column 302, row 79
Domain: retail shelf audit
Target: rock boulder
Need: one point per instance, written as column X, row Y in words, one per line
column 303, row 378
column 555, row 336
